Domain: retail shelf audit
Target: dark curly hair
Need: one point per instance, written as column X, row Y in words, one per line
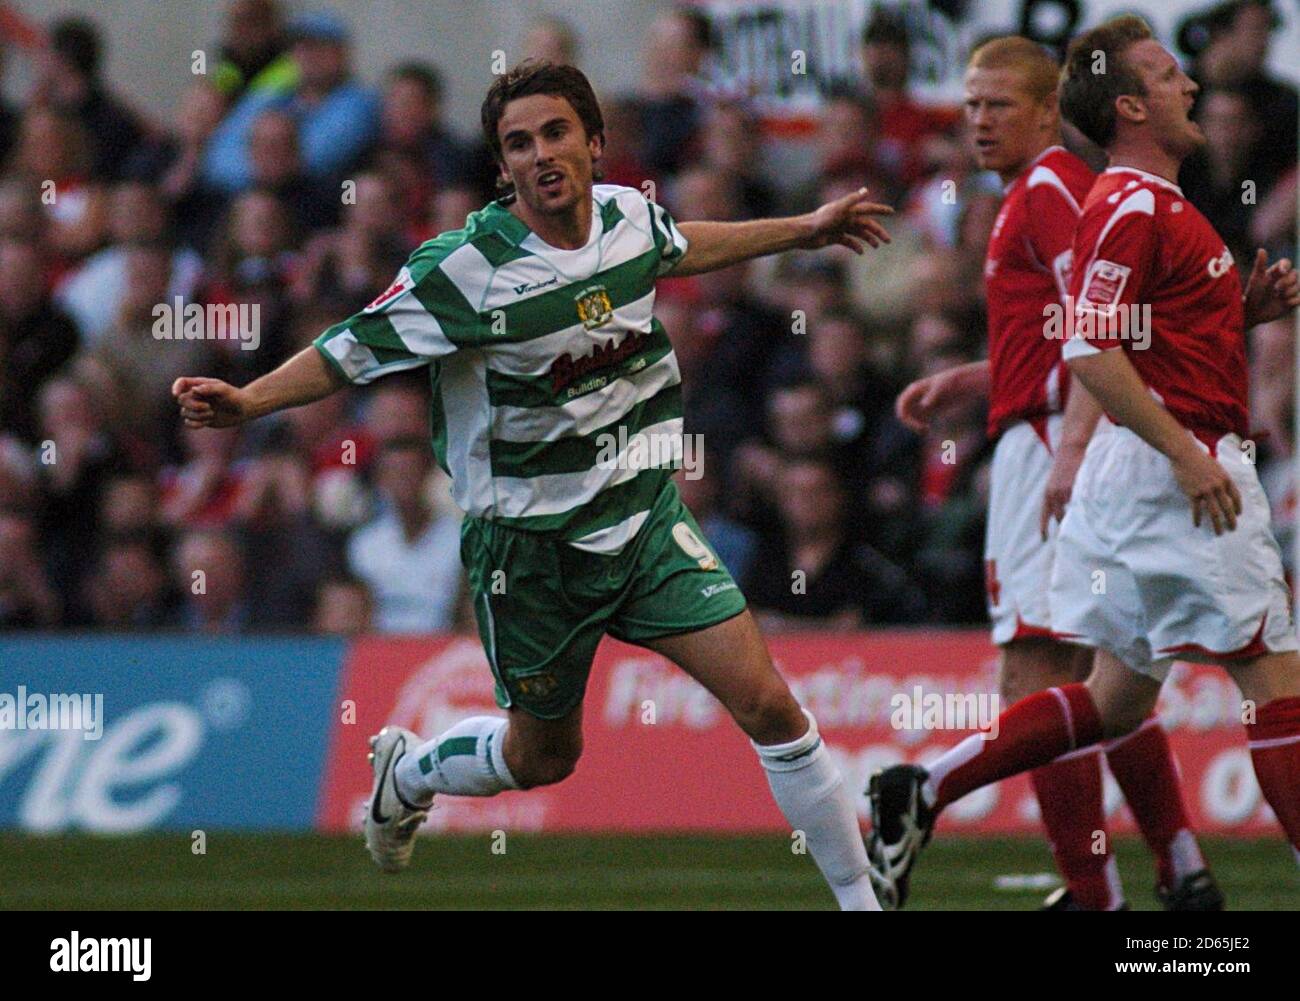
column 538, row 77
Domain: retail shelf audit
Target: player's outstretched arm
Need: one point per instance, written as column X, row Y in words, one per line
column 304, row 378
column 1111, row 378
column 846, row 222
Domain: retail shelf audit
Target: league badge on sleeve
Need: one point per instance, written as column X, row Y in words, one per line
column 1103, row 285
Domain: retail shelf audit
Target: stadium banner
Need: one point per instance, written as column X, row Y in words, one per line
column 661, row 755
column 783, row 55
column 117, row 734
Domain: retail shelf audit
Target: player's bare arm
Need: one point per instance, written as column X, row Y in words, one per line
column 1272, row 291
column 926, row 398
column 1111, row 378
column 304, row 378
column 847, row 222
column 1082, row 413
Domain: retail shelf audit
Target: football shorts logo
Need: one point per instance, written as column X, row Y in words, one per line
column 1104, row 283
column 396, row 290
column 594, row 307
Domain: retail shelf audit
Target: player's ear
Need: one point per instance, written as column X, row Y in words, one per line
column 1130, row 108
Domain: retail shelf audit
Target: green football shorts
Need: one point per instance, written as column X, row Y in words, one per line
column 542, row 605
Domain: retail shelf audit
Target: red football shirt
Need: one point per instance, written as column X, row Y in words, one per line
column 1141, row 244
column 1026, row 270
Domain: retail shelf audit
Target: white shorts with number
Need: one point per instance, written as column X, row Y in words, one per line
column 1134, row 576
column 1017, row 561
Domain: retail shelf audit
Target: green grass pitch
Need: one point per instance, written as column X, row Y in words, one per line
column 244, row 871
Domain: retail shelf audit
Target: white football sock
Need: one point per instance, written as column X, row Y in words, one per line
column 467, row 760
column 810, row 792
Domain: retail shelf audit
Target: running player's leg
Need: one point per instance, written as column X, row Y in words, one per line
column 731, row 660
column 1069, row 790
column 541, row 610
column 1271, row 685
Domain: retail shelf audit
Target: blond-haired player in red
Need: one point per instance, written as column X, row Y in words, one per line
column 1167, row 506
column 1042, row 425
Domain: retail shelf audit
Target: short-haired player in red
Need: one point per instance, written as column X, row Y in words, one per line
column 1167, row 506
column 1015, row 128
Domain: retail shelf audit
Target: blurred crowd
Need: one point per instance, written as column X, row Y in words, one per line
column 288, row 182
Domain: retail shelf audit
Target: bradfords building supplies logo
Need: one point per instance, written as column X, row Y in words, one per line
column 59, row 711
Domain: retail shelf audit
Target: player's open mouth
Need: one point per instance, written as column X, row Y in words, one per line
column 549, row 182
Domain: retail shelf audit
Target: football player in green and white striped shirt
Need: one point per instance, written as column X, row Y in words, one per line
column 557, row 411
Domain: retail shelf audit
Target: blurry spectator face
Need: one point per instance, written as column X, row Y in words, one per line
column 222, row 564
column 199, row 112
column 47, row 145
column 261, row 228
column 136, row 212
column 321, row 63
column 65, row 406
column 671, row 47
column 550, row 40
column 252, row 27
column 129, row 504
column 812, row 294
column 704, row 194
column 1229, row 124
column 729, row 140
column 1248, row 40
column 800, row 419
column 17, row 539
column 273, row 148
column 148, row 275
column 811, row 499
column 409, row 111
column 343, row 608
column 1007, row 126
column 836, row 348
column 401, row 476
column 378, row 207
column 396, row 412
column 21, row 286
column 129, row 578
column 451, row 206
column 885, row 64
column 845, row 134
column 933, row 333
column 20, row 211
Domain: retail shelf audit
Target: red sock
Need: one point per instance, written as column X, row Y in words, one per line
column 1069, row 797
column 1034, row 731
column 1144, row 767
column 1275, row 751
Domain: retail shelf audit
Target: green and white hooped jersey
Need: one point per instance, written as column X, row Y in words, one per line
column 557, row 401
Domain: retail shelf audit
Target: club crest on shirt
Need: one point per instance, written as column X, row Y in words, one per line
column 400, row 287
column 594, row 307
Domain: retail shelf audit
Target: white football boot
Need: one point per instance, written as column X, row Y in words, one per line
column 390, row 823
